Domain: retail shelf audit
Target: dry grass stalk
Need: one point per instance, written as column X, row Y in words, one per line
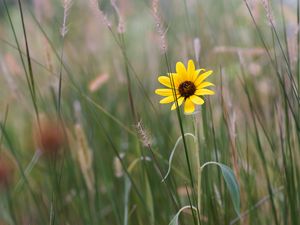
column 121, row 23
column 48, row 58
column 96, row 84
column 85, row 158
column 269, row 13
column 67, row 4
column 230, row 120
column 159, row 26
column 94, row 6
column 143, row 135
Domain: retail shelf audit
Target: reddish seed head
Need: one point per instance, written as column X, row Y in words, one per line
column 49, row 136
column 7, row 171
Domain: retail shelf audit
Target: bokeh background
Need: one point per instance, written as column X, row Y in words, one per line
column 83, row 137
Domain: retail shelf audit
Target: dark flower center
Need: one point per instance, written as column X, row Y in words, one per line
column 187, row 89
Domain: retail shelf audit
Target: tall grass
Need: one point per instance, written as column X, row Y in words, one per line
column 105, row 158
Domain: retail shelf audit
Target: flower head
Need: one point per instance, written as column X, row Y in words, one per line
column 186, row 86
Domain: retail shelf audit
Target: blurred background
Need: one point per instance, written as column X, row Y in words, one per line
column 84, row 140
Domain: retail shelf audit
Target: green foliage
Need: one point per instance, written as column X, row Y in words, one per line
column 231, row 183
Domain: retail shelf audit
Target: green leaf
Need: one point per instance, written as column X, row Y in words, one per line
column 173, row 152
column 174, row 221
column 231, row 183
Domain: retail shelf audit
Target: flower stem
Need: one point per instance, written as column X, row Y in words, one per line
column 198, row 165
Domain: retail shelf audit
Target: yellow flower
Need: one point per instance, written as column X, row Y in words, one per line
column 186, row 86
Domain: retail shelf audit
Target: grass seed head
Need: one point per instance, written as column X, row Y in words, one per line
column 7, row 170
column 49, row 136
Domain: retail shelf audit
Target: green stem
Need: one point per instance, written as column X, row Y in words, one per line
column 198, row 168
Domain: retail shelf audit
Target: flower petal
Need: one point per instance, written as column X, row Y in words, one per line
column 204, row 92
column 202, row 77
column 196, row 74
column 167, row 81
column 189, row 106
column 190, row 70
column 164, row 80
column 181, row 71
column 205, row 84
column 167, row 99
column 164, row 92
column 196, row 100
column 176, row 79
column 179, row 101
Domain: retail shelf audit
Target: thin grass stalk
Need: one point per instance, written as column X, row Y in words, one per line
column 55, row 190
column 28, row 79
column 255, row 206
column 32, row 82
column 288, row 168
column 27, row 50
column 289, row 70
column 291, row 185
column 213, row 130
column 73, row 84
column 261, row 154
column 169, row 189
column 190, row 202
column 110, row 141
column 60, row 79
column 266, row 172
column 24, row 54
column 129, row 88
column 227, row 121
column 257, row 113
column 260, row 150
column 4, row 125
column 53, row 48
column 118, row 42
column 284, row 160
column 28, row 169
column 274, row 66
column 298, row 58
column 120, row 45
column 52, row 215
column 226, row 130
column 285, row 55
column 214, row 134
column 11, row 206
column 285, row 33
column 20, row 167
column 133, row 110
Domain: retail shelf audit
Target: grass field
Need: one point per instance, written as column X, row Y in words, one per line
column 85, row 140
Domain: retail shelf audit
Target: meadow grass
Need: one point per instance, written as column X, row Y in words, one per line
column 84, row 140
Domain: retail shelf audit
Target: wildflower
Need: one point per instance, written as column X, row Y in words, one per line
column 186, row 86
